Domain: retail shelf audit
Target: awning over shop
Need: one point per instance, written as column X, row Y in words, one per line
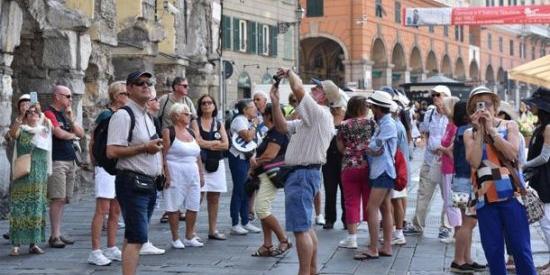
column 536, row 72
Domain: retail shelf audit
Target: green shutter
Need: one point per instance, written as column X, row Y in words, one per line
column 273, row 32
column 251, row 37
column 226, row 40
column 236, row 28
column 260, row 39
column 314, row 8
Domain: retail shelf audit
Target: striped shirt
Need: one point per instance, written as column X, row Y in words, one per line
column 310, row 135
column 492, row 181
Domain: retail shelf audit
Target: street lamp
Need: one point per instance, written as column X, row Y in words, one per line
column 299, row 15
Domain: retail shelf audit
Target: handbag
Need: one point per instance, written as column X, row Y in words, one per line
column 160, row 182
column 211, row 165
column 277, row 172
column 529, row 197
column 460, row 199
column 22, row 166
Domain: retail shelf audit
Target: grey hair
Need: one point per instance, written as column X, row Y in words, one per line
column 176, row 109
column 260, row 93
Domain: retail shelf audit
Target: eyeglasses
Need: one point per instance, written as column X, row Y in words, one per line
column 124, row 94
column 183, row 85
column 436, row 95
column 204, row 103
column 66, row 96
column 32, row 112
column 142, row 83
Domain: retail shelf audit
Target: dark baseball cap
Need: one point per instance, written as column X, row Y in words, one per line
column 317, row 82
column 136, row 75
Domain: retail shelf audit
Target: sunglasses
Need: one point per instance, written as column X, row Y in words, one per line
column 124, row 94
column 183, row 85
column 204, row 103
column 436, row 95
column 142, row 83
column 66, row 96
column 32, row 112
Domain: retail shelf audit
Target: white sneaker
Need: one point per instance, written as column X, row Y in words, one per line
column 348, row 242
column 238, row 230
column 398, row 239
column 149, row 249
column 251, row 228
column 177, row 244
column 192, row 243
column 320, row 220
column 97, row 258
column 113, row 253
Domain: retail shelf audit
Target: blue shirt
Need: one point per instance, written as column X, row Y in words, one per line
column 386, row 136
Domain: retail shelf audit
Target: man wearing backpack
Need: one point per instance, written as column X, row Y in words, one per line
column 138, row 167
column 433, row 126
column 61, row 182
column 179, row 94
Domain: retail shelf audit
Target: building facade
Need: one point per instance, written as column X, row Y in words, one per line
column 87, row 44
column 258, row 37
column 363, row 44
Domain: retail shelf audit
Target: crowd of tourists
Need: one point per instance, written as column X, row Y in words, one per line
column 167, row 147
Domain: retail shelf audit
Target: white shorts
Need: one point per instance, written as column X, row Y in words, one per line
column 399, row 194
column 104, row 184
column 215, row 182
column 189, row 193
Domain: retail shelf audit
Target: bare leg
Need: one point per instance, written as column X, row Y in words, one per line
column 251, row 201
column 272, row 224
column 114, row 213
column 313, row 236
column 398, row 212
column 130, row 257
column 190, row 218
column 101, row 209
column 304, row 247
column 352, row 228
column 376, row 198
column 174, row 221
column 212, row 199
column 317, row 203
column 266, row 228
column 56, row 215
column 470, row 223
column 387, row 223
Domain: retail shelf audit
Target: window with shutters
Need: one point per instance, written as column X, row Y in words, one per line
column 226, row 36
column 242, row 36
column 489, row 41
column 314, row 8
column 265, row 40
column 532, row 53
column 288, row 37
column 511, row 47
column 252, row 41
column 397, row 12
column 378, row 8
column 500, row 44
column 446, row 30
column 457, row 33
column 273, row 32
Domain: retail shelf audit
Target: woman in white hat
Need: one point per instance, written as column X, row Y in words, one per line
column 382, row 174
column 492, row 144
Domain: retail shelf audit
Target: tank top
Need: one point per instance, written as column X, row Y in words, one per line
column 182, row 151
column 213, row 134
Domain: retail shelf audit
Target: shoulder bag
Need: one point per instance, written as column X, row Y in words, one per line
column 21, row 166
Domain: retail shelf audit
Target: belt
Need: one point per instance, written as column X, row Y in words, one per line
column 130, row 172
column 309, row 166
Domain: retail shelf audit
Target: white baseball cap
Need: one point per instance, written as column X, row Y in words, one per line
column 441, row 89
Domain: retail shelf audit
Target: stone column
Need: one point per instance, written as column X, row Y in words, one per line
column 407, row 75
column 359, row 71
column 389, row 75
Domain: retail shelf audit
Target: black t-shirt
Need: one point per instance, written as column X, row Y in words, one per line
column 275, row 137
column 62, row 149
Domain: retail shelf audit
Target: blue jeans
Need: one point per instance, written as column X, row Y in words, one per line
column 506, row 220
column 239, row 199
column 300, row 188
column 136, row 208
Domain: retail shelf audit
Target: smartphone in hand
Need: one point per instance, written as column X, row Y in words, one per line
column 34, row 97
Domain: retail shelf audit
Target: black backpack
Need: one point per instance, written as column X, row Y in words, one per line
column 99, row 149
column 172, row 133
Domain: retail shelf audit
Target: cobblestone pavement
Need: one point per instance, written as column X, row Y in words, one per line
column 421, row 255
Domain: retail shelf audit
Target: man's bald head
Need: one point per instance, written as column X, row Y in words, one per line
column 62, row 97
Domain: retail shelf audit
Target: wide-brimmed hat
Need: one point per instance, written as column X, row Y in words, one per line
column 24, row 97
column 508, row 109
column 540, row 99
column 382, row 99
column 335, row 96
column 441, row 89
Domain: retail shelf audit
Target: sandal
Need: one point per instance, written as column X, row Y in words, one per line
column 364, row 255
column 263, row 251
column 164, row 218
column 282, row 249
column 217, row 236
column 14, row 251
column 35, row 250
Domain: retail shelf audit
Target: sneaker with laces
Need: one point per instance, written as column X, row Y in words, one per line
column 251, row 228
column 113, row 253
column 348, row 242
column 192, row 243
column 411, row 230
column 398, row 239
column 97, row 258
column 177, row 244
column 320, row 220
column 149, row 249
column 238, row 230
column 445, row 235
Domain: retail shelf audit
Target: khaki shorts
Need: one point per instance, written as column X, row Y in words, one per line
column 61, row 182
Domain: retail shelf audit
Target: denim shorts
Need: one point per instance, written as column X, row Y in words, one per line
column 462, row 185
column 383, row 181
column 300, row 188
column 136, row 208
